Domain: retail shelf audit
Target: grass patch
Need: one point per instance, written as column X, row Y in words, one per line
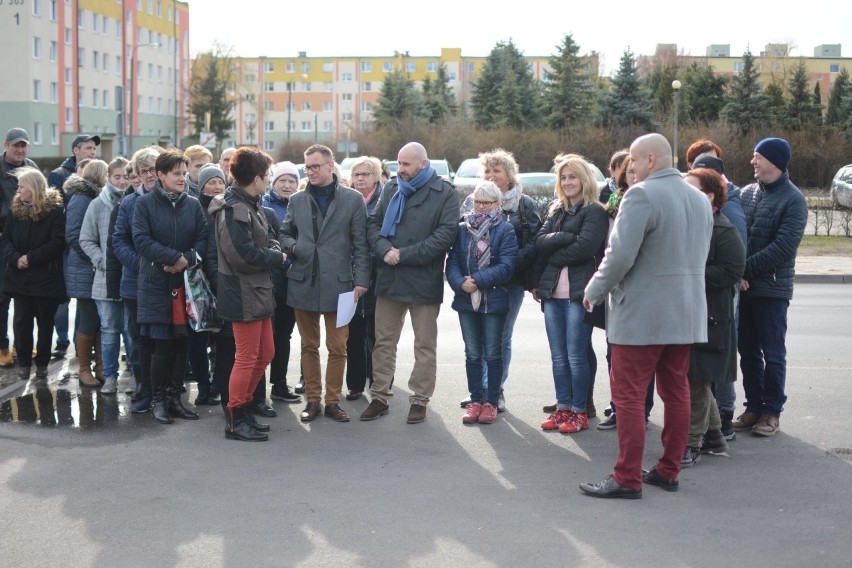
column 825, row 246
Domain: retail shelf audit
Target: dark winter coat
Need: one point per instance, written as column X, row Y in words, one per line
column 8, row 188
column 163, row 231
column 278, row 207
column 490, row 281
column 733, row 210
column 573, row 238
column 716, row 360
column 367, row 302
column 776, row 215
column 79, row 273
column 427, row 231
column 247, row 252
column 60, row 175
column 122, row 244
column 96, row 242
column 42, row 239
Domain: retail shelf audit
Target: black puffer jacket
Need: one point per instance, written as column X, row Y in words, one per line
column 163, row 230
column 42, row 238
column 776, row 214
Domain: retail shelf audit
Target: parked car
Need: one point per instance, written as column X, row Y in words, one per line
column 841, row 187
column 467, row 176
column 443, row 169
column 346, row 167
column 392, row 165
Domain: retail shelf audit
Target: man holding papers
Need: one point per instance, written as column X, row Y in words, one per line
column 324, row 234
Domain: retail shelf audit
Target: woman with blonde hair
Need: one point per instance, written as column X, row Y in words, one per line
column 31, row 245
column 569, row 249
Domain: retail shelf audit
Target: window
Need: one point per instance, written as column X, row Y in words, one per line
column 106, row 26
column 69, row 115
column 36, row 47
column 105, row 64
column 81, row 57
column 834, row 68
column 290, row 106
column 251, row 78
column 139, row 103
column 306, row 67
column 452, row 75
column 36, row 7
column 150, row 104
column 289, row 67
column 306, row 86
column 250, row 117
column 368, row 86
column 346, row 116
column 67, row 75
column 346, row 96
column 327, row 106
column 159, row 8
column 250, row 97
column 327, row 125
column 54, row 10
column 81, row 18
column 67, row 36
column 159, row 105
column 346, row 77
column 95, row 99
column 150, row 7
column 387, row 66
column 36, row 91
column 306, row 106
column 36, row 133
column 269, row 87
column 54, row 92
column 105, row 99
column 738, row 67
column 118, row 65
column 160, row 73
column 81, row 96
column 268, row 126
column 54, row 134
column 268, row 106
column 150, row 71
column 306, row 126
column 96, row 59
column 96, row 22
column 54, row 49
column 268, row 144
column 328, row 67
column 411, row 67
column 366, row 106
column 268, row 67
column 327, row 87
column 366, row 66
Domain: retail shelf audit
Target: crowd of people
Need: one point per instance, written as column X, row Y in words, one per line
column 682, row 270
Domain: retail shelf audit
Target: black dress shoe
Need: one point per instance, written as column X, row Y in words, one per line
column 300, row 386
column 263, row 409
column 654, row 478
column 311, row 411
column 610, row 489
column 282, row 393
column 354, row 395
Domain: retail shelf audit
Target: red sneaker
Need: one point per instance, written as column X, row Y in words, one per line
column 471, row 416
column 579, row 421
column 556, row 419
column 488, row 414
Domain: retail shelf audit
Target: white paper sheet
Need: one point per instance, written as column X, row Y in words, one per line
column 346, row 305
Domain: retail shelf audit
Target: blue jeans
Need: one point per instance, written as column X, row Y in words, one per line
column 763, row 353
column 516, row 298
column 60, row 323
column 569, row 337
column 482, row 334
column 113, row 326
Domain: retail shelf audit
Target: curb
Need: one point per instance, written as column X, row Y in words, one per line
column 823, row 279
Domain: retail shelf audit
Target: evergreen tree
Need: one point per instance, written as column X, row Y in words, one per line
column 703, row 94
column 777, row 106
column 746, row 106
column 505, row 79
column 399, row 100
column 568, row 96
column 817, row 105
column 659, row 84
column 438, row 97
column 842, row 89
column 627, row 104
column 800, row 109
column 210, row 77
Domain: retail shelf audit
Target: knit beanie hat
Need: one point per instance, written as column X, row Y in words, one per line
column 282, row 168
column 208, row 172
column 776, row 150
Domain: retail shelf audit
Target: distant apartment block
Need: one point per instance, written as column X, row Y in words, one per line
column 116, row 68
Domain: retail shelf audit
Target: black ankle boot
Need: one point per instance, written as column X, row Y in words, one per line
column 159, row 372
column 175, row 406
column 727, row 417
column 159, row 410
column 239, row 429
column 252, row 421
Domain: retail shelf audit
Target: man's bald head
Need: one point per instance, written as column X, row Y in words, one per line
column 411, row 159
column 415, row 150
column 650, row 153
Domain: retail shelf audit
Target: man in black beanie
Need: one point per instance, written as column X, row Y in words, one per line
column 776, row 214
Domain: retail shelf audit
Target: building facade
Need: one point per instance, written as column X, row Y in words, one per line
column 116, row 68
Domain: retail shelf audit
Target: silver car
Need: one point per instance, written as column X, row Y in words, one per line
column 841, row 187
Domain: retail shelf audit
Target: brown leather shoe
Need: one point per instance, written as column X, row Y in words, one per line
column 311, row 411
column 766, row 426
column 374, row 410
column 746, row 421
column 336, row 413
column 416, row 414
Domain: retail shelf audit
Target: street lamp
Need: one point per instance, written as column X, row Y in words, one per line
column 289, row 106
column 676, row 85
column 132, row 95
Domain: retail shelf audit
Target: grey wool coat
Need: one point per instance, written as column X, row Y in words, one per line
column 653, row 269
column 94, row 240
column 329, row 252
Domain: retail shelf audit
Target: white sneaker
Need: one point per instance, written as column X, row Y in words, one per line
column 110, row 386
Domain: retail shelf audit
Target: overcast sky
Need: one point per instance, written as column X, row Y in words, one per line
column 379, row 27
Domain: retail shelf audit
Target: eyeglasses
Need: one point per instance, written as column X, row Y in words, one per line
column 315, row 168
column 483, row 203
column 145, row 172
column 362, row 175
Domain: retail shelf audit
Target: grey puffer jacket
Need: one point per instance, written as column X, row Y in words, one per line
column 96, row 242
column 776, row 215
column 79, row 273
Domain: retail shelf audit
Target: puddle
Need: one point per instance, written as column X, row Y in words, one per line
column 56, row 404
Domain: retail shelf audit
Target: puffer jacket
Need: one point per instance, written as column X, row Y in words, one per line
column 163, row 231
column 491, row 281
column 96, row 242
column 122, row 243
column 42, row 238
column 8, row 188
column 60, row 175
column 573, row 238
column 776, row 215
column 247, row 253
column 79, row 273
column 276, row 203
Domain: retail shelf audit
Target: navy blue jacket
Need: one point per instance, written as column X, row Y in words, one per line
column 163, row 231
column 492, row 280
column 79, row 272
column 733, row 210
column 776, row 214
column 123, row 247
column 60, row 175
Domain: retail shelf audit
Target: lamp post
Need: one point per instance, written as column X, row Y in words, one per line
column 132, row 95
column 676, row 85
column 289, row 106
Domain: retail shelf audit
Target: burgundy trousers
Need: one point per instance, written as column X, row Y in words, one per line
column 633, row 366
column 255, row 348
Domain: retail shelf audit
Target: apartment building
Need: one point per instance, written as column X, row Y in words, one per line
column 116, row 68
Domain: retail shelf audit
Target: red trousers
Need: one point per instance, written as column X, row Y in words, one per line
column 255, row 349
column 633, row 366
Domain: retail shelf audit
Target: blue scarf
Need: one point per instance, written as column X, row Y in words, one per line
column 397, row 203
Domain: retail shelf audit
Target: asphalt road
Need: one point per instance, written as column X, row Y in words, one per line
column 120, row 490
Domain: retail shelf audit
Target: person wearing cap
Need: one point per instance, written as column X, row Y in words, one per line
column 82, row 147
column 15, row 149
column 325, row 235
column 285, row 181
column 776, row 213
